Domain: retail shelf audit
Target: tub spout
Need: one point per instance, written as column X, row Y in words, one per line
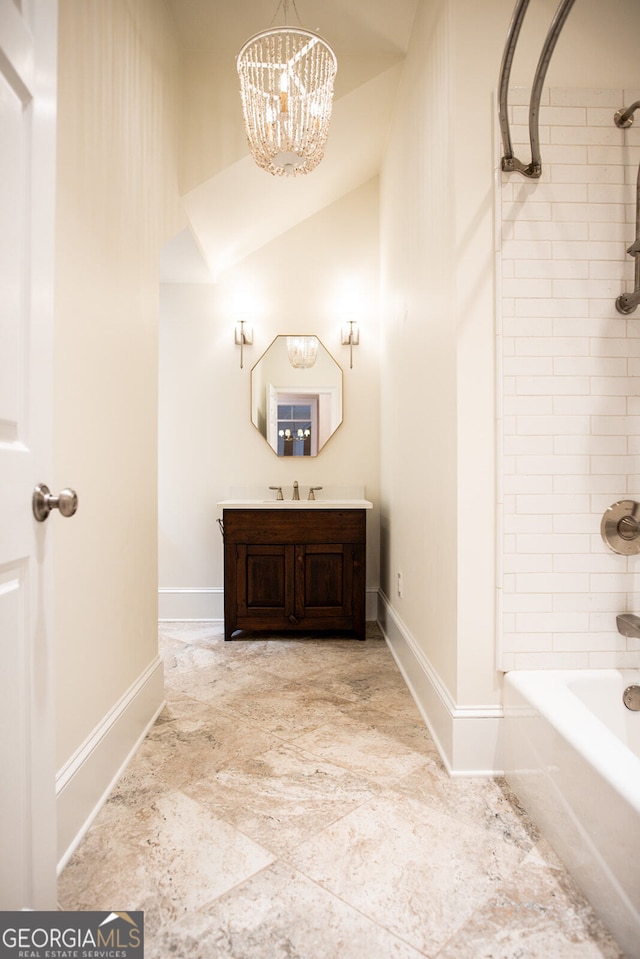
column 628, row 624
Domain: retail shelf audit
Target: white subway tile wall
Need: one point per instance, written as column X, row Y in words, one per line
column 568, row 384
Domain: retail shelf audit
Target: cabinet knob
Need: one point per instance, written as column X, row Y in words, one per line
column 293, row 619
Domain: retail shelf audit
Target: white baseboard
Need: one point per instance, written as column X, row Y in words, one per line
column 207, row 605
column 183, row 605
column 84, row 783
column 468, row 737
column 371, row 605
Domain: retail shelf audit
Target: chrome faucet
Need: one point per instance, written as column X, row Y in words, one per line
column 312, row 491
column 279, row 489
column 296, row 491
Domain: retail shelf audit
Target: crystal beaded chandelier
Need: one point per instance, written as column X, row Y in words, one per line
column 286, row 85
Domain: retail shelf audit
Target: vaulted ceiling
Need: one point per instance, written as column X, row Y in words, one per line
column 232, row 206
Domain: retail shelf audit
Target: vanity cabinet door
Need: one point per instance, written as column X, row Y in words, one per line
column 324, row 584
column 264, row 586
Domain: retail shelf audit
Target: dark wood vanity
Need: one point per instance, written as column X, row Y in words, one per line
column 294, row 570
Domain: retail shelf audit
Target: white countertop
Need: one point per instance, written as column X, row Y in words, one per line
column 295, row 504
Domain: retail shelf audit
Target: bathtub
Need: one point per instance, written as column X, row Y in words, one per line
column 572, row 756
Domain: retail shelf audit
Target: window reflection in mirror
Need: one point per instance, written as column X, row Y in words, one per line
column 297, row 410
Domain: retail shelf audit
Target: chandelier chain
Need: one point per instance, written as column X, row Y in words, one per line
column 284, row 6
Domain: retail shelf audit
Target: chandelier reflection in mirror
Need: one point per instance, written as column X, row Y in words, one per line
column 286, row 85
column 302, row 351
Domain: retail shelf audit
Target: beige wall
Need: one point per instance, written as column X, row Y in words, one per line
column 208, row 444
column 117, row 202
column 418, row 322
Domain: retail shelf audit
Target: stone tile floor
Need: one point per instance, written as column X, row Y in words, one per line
column 289, row 803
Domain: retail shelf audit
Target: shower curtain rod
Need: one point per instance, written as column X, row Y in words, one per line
column 627, row 302
column 510, row 164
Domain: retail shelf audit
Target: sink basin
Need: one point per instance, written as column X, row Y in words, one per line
column 295, row 504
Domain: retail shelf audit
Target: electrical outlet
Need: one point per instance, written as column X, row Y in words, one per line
column 399, row 584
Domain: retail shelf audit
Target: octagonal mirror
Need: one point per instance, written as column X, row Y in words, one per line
column 296, row 396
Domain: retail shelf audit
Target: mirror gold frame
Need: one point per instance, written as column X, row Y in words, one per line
column 296, row 410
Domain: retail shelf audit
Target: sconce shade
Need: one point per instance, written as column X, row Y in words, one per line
column 286, row 85
column 302, row 351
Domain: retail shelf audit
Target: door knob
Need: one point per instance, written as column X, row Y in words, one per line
column 44, row 501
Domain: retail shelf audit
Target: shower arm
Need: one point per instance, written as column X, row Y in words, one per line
column 627, row 302
column 511, row 164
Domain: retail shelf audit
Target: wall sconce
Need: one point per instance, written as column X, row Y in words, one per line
column 243, row 337
column 351, row 337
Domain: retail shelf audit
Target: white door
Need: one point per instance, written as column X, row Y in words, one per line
column 27, row 190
